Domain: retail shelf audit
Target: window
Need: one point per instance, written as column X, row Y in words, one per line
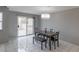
column 1, row 20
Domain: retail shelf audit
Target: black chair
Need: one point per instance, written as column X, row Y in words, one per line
column 41, row 38
column 55, row 39
column 51, row 30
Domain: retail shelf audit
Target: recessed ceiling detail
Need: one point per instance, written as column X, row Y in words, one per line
column 40, row 9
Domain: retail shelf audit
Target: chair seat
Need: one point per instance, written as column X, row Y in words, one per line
column 40, row 39
column 54, row 39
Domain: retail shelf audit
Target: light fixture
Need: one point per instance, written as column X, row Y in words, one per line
column 45, row 16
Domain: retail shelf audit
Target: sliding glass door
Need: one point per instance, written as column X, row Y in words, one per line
column 25, row 26
column 30, row 27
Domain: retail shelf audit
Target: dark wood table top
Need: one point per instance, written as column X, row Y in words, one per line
column 46, row 33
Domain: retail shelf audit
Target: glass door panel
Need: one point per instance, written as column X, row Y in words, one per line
column 30, row 26
column 21, row 26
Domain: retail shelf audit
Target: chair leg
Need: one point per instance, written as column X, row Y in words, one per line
column 41, row 46
column 58, row 43
column 52, row 42
column 36, row 40
column 33, row 40
column 54, row 45
column 49, row 44
column 46, row 44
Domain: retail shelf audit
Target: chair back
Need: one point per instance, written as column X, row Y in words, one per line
column 51, row 30
column 57, row 35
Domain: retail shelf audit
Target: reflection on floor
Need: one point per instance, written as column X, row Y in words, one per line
column 24, row 44
column 10, row 46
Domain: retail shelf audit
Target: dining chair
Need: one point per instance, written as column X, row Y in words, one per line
column 55, row 39
column 41, row 38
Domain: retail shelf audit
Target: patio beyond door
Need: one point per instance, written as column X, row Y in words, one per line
column 25, row 26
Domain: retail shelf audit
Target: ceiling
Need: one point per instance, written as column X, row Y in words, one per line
column 40, row 9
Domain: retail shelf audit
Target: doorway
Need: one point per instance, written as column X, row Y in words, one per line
column 25, row 26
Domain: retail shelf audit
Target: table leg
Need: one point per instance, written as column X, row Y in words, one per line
column 50, row 44
column 33, row 40
column 54, row 44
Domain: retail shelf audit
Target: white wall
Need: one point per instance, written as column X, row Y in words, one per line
column 67, row 22
column 4, row 32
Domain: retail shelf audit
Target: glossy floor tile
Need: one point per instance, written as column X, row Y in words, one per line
column 10, row 46
column 25, row 44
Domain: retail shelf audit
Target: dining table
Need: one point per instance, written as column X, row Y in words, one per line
column 49, row 35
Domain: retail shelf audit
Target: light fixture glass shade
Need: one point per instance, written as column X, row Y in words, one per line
column 45, row 16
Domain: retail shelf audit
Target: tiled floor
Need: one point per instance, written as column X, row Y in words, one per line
column 24, row 44
column 10, row 46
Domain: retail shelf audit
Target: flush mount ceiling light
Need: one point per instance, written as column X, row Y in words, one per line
column 45, row 12
column 45, row 16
